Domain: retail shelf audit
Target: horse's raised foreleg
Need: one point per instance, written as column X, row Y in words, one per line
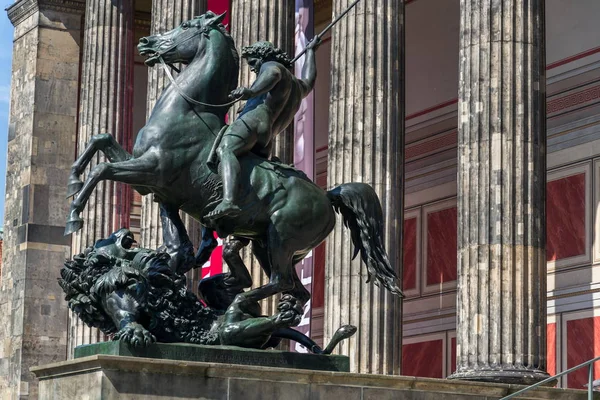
column 105, row 143
column 143, row 171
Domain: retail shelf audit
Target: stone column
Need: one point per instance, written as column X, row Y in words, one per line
column 501, row 306
column 251, row 21
column 166, row 14
column 41, row 144
column 106, row 103
column 366, row 144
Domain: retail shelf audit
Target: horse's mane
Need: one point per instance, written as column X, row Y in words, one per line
column 234, row 53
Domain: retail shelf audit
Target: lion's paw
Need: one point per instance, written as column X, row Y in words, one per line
column 286, row 319
column 135, row 335
column 290, row 311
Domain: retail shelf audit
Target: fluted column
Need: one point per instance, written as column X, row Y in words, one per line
column 501, row 306
column 166, row 14
column 46, row 56
column 251, row 21
column 106, row 103
column 366, row 144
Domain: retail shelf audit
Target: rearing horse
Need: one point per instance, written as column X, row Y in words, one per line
column 284, row 214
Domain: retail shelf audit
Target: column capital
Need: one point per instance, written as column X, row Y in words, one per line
column 23, row 9
column 142, row 19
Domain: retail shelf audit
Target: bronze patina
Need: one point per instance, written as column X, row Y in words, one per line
column 241, row 192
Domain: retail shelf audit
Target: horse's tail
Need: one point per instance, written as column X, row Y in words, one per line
column 361, row 210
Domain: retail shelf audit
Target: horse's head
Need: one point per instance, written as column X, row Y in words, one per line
column 182, row 44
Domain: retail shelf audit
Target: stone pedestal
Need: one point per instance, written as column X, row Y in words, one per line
column 501, row 305
column 366, row 144
column 219, row 354
column 116, row 378
column 105, row 106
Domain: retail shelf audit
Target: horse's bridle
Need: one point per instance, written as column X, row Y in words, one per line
column 204, row 30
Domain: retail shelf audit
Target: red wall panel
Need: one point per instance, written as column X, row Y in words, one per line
column 318, row 285
column 441, row 246
column 409, row 280
column 423, row 359
column 583, row 344
column 551, row 349
column 565, row 216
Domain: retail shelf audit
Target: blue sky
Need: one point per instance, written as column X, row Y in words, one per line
column 6, row 41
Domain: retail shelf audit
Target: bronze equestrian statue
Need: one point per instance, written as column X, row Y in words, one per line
column 281, row 211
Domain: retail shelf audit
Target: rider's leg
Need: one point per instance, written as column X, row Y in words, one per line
column 239, row 139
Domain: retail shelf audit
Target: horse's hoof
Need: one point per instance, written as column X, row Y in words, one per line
column 73, row 225
column 73, row 188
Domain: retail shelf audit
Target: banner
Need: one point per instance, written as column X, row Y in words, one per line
column 214, row 266
column 304, row 147
column 219, row 7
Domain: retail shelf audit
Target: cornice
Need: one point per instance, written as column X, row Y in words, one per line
column 321, row 3
column 22, row 9
column 142, row 19
column 323, row 10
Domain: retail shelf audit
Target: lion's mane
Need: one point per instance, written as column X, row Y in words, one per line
column 170, row 311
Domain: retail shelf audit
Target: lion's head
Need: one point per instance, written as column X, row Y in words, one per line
column 170, row 311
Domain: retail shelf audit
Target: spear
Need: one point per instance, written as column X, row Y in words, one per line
column 320, row 35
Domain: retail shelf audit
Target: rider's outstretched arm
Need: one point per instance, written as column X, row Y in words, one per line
column 309, row 72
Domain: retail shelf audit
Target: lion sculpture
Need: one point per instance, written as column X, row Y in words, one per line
column 138, row 296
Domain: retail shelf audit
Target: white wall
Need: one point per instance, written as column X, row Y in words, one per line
column 572, row 27
column 432, row 33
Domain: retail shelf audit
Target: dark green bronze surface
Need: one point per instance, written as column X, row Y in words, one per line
column 220, row 354
column 189, row 160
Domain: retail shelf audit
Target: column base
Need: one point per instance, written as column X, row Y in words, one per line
column 509, row 374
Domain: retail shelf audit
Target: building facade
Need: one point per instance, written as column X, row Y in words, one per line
column 477, row 125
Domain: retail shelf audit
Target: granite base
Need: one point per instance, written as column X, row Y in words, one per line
column 127, row 378
column 219, row 354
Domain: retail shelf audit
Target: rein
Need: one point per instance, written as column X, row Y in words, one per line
column 175, row 85
column 185, row 96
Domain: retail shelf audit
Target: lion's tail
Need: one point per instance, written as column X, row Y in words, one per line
column 361, row 210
